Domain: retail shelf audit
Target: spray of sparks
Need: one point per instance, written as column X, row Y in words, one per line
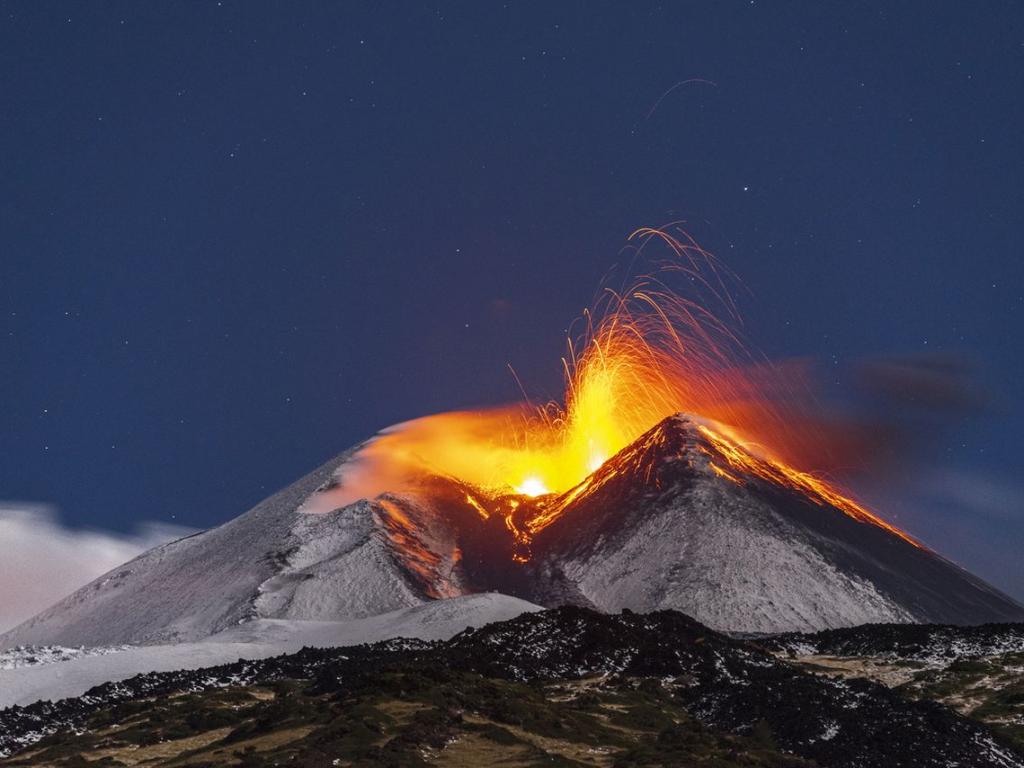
column 645, row 352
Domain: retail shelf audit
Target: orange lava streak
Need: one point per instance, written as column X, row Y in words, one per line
column 420, row 560
column 477, row 506
column 722, row 473
column 743, row 460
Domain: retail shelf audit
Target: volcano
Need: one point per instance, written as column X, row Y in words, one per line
column 681, row 518
column 677, row 521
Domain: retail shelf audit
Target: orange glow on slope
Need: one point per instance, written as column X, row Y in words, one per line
column 722, row 473
column 423, row 563
column 477, row 506
column 743, row 459
column 645, row 352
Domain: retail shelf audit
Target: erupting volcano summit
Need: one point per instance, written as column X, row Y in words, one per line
column 677, row 519
column 674, row 475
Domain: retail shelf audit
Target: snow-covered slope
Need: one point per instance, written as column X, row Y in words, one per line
column 272, row 562
column 60, row 675
column 657, row 527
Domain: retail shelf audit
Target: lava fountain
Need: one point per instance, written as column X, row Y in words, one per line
column 666, row 342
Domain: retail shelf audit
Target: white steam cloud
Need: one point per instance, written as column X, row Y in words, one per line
column 42, row 560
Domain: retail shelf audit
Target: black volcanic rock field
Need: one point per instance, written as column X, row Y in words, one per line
column 569, row 687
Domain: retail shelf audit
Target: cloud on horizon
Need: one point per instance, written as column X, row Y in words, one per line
column 42, row 560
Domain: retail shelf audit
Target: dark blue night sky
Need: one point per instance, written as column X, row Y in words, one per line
column 239, row 237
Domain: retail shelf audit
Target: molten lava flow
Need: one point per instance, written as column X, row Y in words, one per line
column 646, row 352
column 422, row 563
column 743, row 459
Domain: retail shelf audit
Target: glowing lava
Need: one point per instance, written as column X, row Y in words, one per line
column 533, row 486
column 744, row 460
column 645, row 352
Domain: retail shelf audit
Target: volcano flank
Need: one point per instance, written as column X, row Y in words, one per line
column 679, row 519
